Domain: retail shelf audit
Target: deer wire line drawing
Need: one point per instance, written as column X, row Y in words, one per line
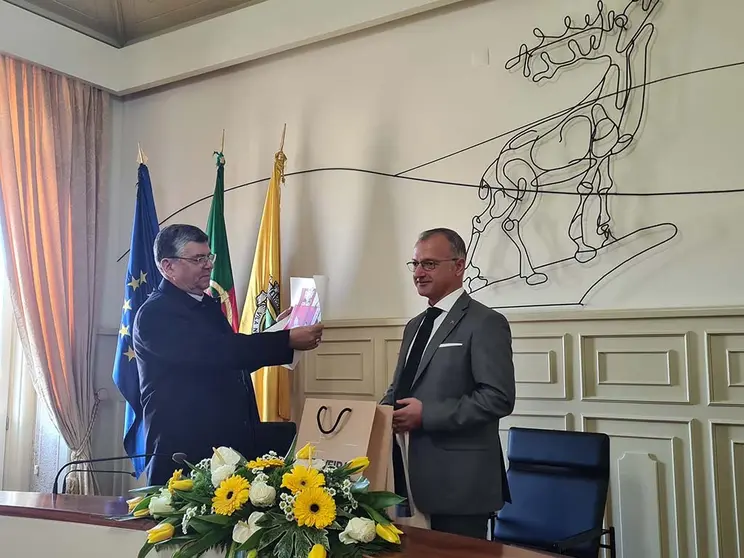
column 514, row 181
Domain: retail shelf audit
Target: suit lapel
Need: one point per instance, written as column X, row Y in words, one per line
column 450, row 321
column 406, row 344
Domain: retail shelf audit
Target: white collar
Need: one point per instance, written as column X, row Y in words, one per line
column 196, row 297
column 448, row 301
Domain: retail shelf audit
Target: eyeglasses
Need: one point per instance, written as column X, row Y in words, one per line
column 198, row 260
column 428, row 265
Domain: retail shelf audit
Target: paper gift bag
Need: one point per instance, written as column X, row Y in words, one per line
column 341, row 430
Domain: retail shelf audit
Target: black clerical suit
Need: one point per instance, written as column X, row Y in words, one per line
column 195, row 383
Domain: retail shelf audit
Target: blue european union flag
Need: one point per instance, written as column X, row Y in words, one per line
column 142, row 277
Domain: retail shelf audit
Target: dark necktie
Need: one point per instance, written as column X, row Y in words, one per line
column 417, row 351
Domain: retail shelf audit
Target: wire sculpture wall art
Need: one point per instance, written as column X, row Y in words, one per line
column 609, row 117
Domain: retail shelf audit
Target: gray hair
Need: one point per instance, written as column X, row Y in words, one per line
column 171, row 240
column 457, row 244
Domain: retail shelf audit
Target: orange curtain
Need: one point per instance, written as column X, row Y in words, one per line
column 52, row 145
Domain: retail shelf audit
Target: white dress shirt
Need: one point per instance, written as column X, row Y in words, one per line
column 445, row 305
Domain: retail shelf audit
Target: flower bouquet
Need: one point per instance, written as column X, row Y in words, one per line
column 270, row 507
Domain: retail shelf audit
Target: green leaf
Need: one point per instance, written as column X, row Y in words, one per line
column 143, row 504
column 380, row 500
column 270, row 536
column 375, row 515
column 173, row 543
column 285, row 547
column 317, row 536
column 252, row 542
column 343, row 513
column 289, row 458
column 190, row 550
column 302, row 544
column 146, row 490
column 145, row 550
column 216, row 519
column 192, row 498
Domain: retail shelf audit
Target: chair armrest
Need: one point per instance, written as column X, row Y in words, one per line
column 581, row 538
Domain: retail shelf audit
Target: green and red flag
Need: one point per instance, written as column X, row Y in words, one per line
column 221, row 284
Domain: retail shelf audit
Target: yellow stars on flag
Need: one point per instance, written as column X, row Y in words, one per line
column 136, row 283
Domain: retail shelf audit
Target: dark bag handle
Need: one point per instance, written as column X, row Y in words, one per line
column 335, row 424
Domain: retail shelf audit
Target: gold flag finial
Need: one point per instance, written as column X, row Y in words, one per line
column 222, row 148
column 284, row 133
column 141, row 157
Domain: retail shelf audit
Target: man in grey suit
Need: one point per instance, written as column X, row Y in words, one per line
column 453, row 382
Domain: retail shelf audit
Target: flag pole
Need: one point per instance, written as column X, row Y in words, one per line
column 284, row 133
column 222, row 148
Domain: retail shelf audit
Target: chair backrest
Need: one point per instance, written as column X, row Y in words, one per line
column 276, row 436
column 558, row 482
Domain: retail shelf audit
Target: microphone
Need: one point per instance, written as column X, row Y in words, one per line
column 177, row 457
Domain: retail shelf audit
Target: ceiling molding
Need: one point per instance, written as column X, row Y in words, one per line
column 243, row 35
column 121, row 29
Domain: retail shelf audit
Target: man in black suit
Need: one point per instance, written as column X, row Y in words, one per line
column 194, row 371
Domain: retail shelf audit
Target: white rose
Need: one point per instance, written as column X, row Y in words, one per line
column 359, row 529
column 244, row 530
column 160, row 504
column 221, row 473
column 262, row 494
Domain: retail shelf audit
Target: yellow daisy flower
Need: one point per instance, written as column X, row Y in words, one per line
column 230, row 495
column 315, row 507
column 262, row 463
column 301, row 478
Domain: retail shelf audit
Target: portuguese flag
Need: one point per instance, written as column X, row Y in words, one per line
column 221, row 283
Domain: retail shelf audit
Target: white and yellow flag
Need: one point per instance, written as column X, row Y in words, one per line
column 262, row 304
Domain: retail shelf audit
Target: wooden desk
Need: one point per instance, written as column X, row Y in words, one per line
column 93, row 510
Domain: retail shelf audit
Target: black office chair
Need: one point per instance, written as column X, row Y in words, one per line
column 277, row 436
column 558, row 482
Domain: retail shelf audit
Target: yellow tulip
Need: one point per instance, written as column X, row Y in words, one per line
column 184, row 485
column 394, row 529
column 306, row 452
column 385, row 532
column 144, row 512
column 160, row 533
column 133, row 503
column 359, row 462
column 318, row 551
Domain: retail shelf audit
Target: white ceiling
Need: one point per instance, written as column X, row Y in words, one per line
column 122, row 22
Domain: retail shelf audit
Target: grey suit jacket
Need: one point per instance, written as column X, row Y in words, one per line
column 455, row 459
